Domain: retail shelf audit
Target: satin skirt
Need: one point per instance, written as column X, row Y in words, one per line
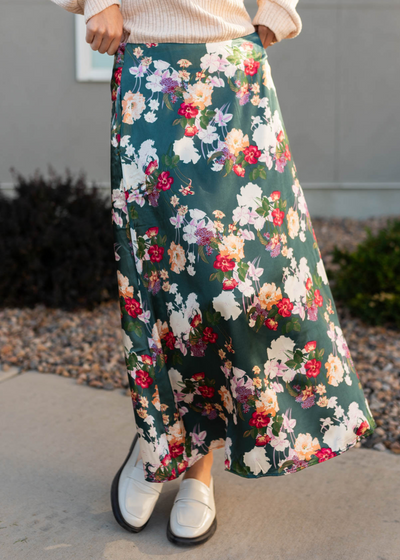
column 230, row 331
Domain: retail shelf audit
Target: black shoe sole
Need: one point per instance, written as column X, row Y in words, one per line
column 114, row 496
column 181, row 541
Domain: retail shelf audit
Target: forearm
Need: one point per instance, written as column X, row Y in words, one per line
column 87, row 8
column 280, row 16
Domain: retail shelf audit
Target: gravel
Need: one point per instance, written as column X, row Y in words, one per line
column 87, row 345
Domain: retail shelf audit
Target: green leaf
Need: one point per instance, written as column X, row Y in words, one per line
column 285, row 465
column 201, row 253
column 177, row 121
column 291, row 364
column 167, row 101
column 276, row 426
column 213, row 276
column 215, row 155
column 175, row 160
column 261, row 238
column 291, row 391
column 204, row 121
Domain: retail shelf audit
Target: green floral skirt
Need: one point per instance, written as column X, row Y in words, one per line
column 230, row 331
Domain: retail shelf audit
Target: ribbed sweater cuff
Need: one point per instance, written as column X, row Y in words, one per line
column 285, row 23
column 93, row 7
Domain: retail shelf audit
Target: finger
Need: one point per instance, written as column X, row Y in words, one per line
column 95, row 44
column 112, row 49
column 89, row 35
column 105, row 44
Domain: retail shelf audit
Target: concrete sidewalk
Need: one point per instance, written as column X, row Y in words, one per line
column 62, row 443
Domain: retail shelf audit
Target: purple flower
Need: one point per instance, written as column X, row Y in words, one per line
column 198, row 349
column 204, row 236
column 168, row 85
column 242, row 394
column 309, row 402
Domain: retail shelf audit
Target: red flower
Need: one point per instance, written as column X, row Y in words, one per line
column 164, row 181
column 156, row 253
column 362, row 428
column 206, row 391
column 132, row 307
column 151, row 167
column 229, row 284
column 170, row 340
column 209, row 335
column 166, row 460
column 287, row 153
column 324, row 454
column 224, row 263
column 198, row 376
column 278, row 216
column 188, row 110
column 251, row 154
column 182, row 466
column 152, row 231
column 285, row 307
column 271, row 324
column 313, row 368
column 251, row 66
column 117, row 75
column 196, row 320
column 239, row 170
column 143, row 379
column 276, row 195
column 318, row 299
column 176, row 449
column 146, row 359
column 259, row 419
column 191, row 130
column 262, row 440
column 310, row 346
column 280, row 136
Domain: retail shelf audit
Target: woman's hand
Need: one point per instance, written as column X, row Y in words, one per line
column 104, row 31
column 266, row 35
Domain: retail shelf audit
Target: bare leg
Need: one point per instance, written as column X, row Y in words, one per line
column 201, row 470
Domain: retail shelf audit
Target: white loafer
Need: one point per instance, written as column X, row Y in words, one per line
column 132, row 497
column 193, row 516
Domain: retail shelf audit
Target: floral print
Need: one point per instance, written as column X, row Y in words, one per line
column 230, row 331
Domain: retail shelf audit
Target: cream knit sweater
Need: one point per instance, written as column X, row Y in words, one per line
column 193, row 21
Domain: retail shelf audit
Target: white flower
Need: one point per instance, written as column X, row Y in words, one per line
column 186, row 150
column 191, row 270
column 208, row 135
column 280, row 348
column 339, row 412
column 191, row 257
column 226, row 304
column 248, row 195
column 264, row 137
column 321, row 272
column 279, row 442
column 154, row 104
column 257, row 460
column 150, row 117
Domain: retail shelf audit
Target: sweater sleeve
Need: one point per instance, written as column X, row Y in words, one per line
column 87, row 8
column 280, row 16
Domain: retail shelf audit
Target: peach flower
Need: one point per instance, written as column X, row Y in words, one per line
column 123, row 286
column 305, row 446
column 199, row 94
column 269, row 295
column 133, row 106
column 335, row 371
column 236, row 142
column 232, row 247
column 293, row 223
column 177, row 258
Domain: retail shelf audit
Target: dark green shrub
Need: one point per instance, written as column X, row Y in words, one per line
column 368, row 281
column 56, row 244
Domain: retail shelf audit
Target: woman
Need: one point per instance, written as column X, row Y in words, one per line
column 231, row 334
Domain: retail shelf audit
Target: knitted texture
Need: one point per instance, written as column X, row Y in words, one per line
column 193, row 21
